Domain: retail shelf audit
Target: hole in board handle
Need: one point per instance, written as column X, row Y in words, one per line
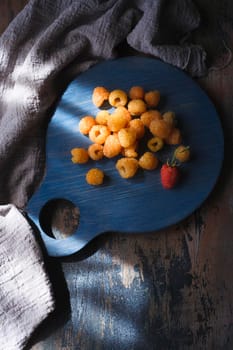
column 59, row 218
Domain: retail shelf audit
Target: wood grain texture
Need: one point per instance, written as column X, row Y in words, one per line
column 172, row 290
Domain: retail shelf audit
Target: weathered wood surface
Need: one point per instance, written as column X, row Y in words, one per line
column 169, row 290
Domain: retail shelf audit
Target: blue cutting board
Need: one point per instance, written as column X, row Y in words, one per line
column 139, row 204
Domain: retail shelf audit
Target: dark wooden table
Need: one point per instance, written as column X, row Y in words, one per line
column 169, row 290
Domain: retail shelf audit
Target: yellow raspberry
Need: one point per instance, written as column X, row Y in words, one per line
column 95, row 177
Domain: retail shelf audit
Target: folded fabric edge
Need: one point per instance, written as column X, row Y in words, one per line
column 26, row 292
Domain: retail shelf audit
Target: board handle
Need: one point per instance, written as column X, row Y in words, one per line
column 61, row 247
column 59, row 225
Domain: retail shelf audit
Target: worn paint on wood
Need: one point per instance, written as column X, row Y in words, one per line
column 172, row 290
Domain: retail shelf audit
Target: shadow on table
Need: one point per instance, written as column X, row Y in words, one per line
column 62, row 311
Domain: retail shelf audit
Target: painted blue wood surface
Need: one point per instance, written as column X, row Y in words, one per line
column 139, row 204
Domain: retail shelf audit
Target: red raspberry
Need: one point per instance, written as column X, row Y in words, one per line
column 169, row 175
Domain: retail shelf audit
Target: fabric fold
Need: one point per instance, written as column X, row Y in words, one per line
column 26, row 296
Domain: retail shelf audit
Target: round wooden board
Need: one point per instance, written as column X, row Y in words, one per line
column 139, row 204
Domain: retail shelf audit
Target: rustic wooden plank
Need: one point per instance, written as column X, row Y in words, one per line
column 172, row 290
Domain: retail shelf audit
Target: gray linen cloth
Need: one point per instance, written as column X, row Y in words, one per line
column 46, row 45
